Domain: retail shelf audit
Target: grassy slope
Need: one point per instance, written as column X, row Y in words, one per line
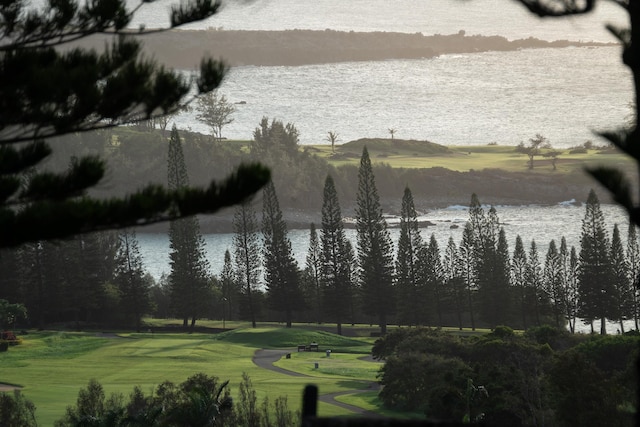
column 424, row 154
column 53, row 366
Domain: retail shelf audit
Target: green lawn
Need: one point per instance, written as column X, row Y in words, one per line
column 423, row 154
column 53, row 366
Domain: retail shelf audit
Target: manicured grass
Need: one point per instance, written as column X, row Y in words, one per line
column 423, row 154
column 337, row 365
column 53, row 366
column 369, row 400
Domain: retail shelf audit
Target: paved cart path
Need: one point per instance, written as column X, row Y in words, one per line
column 265, row 358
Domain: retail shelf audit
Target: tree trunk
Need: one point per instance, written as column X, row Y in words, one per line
column 383, row 323
column 603, row 326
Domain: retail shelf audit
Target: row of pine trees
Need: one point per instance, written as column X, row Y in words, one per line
column 475, row 282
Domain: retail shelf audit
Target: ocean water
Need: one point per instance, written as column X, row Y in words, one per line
column 501, row 97
column 539, row 223
column 465, row 99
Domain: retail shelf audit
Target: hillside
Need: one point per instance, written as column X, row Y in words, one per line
column 438, row 176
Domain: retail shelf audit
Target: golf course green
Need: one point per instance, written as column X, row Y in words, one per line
column 50, row 367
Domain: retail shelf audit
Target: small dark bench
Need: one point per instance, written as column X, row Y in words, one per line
column 302, row 347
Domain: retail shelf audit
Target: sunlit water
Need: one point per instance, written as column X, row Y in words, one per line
column 472, row 99
column 503, row 97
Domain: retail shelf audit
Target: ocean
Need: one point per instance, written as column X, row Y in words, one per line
column 470, row 99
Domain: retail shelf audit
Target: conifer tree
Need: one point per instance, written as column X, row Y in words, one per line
column 519, row 267
column 553, row 282
column 534, row 281
column 351, row 274
column 313, row 274
column 453, row 279
column 188, row 280
column 568, row 266
column 48, row 91
column 336, row 259
column 502, row 285
column 621, row 283
column 247, row 256
column 432, row 282
column 282, row 276
column 229, row 288
column 130, row 278
column 467, row 264
column 41, row 281
column 410, row 286
column 375, row 249
column 491, row 266
column 86, row 273
column 633, row 262
column 595, row 284
column 572, row 292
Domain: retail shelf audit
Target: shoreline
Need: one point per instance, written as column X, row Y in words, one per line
column 183, row 49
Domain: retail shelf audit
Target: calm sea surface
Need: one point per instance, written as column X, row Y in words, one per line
column 472, row 99
column 503, row 97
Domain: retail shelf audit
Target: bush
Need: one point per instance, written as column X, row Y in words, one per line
column 16, row 411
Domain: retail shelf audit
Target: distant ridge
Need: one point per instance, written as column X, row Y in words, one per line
column 184, row 48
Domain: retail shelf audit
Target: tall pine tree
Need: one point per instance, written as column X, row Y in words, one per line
column 519, row 266
column 282, row 276
column 568, row 267
column 467, row 263
column 534, row 282
column 133, row 286
column 313, row 274
column 622, row 285
column 246, row 245
column 453, row 279
column 633, row 260
column 336, row 259
column 409, row 288
column 553, row 282
column 431, row 289
column 595, row 284
column 230, row 289
column 188, row 279
column 375, row 249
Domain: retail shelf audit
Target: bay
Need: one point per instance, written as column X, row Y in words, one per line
column 468, row 99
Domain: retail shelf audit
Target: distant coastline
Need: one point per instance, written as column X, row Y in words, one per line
column 184, row 48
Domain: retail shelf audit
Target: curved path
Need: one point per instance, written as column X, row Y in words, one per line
column 265, row 358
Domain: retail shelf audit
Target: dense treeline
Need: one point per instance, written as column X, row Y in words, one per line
column 542, row 377
column 478, row 281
